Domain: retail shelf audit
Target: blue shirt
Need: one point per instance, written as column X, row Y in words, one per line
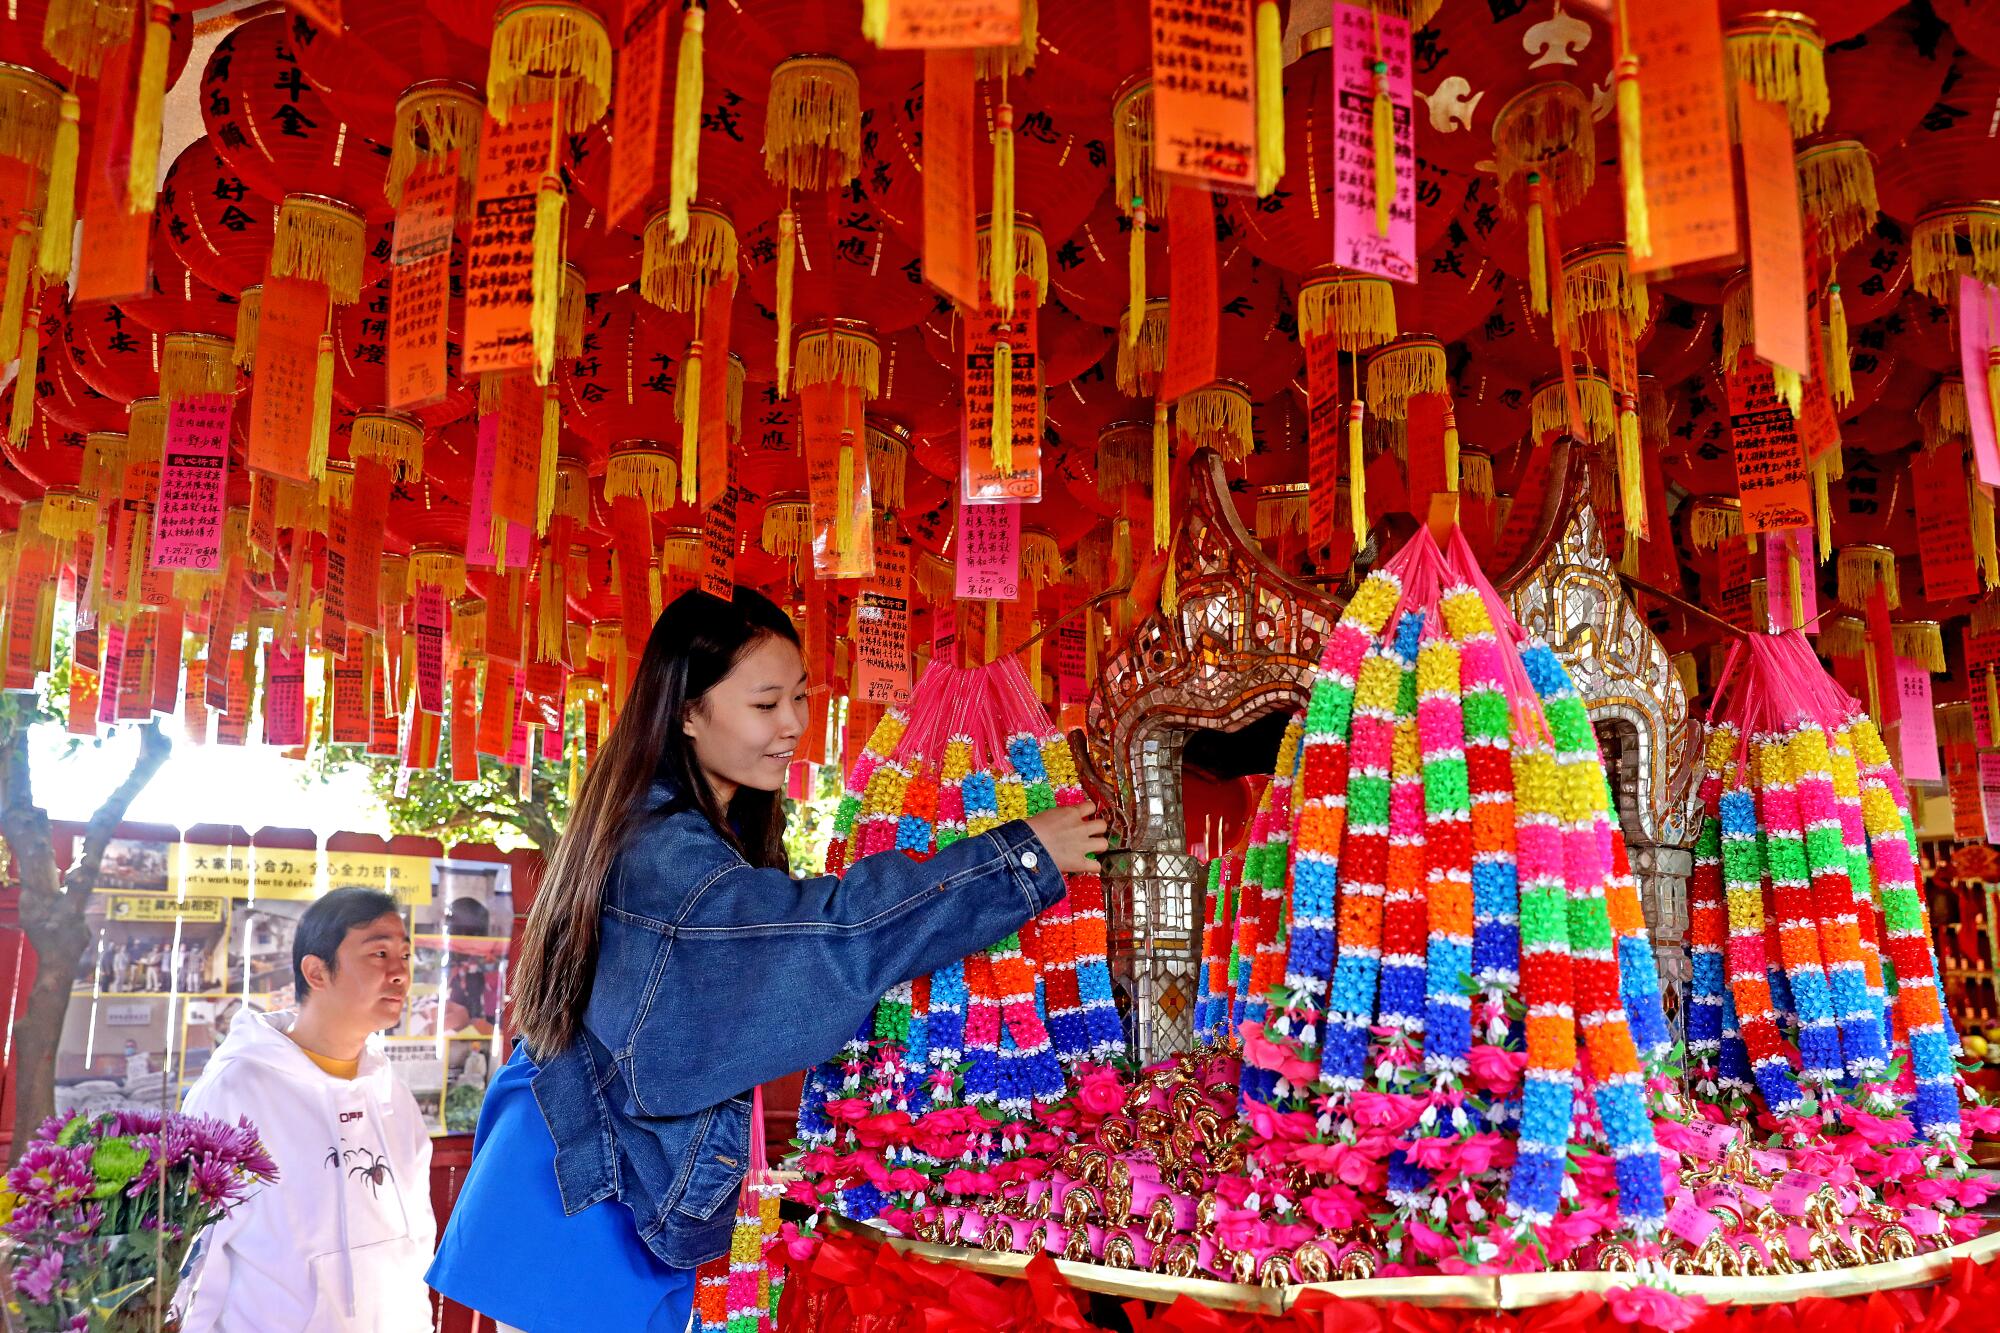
column 511, row 1254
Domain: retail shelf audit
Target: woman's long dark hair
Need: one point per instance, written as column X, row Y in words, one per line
column 695, row 643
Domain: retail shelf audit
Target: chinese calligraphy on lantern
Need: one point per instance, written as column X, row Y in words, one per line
column 882, row 628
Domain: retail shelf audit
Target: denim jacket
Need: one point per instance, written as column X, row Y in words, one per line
column 714, row 977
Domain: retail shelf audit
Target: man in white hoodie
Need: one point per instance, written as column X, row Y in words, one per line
column 340, row 1242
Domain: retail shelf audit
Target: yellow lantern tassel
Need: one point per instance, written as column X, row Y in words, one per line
column 874, row 20
column 1135, row 274
column 1822, row 510
column 1789, row 386
column 1631, row 470
column 1003, row 408
column 59, row 218
column 1985, row 546
column 1357, row 485
column 1270, row 98
column 1631, row 136
column 843, row 516
column 788, row 230
column 546, row 277
column 1992, row 697
column 1035, row 655
column 1840, row 375
column 14, row 305
column 1385, row 149
column 1163, row 451
column 141, row 177
column 1993, row 383
column 1450, row 450
column 1170, row 587
column 545, row 479
column 992, row 644
column 687, row 122
column 322, row 415
column 1538, row 258
column 23, row 417
column 691, row 425
column 1000, row 251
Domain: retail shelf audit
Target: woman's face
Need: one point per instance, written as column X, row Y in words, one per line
column 746, row 728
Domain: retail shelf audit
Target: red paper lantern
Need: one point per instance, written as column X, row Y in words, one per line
column 1837, row 20
column 1682, row 338
column 1928, row 337
column 1975, row 25
column 1088, row 271
column 1458, row 287
column 916, row 391
column 1881, row 81
column 623, row 386
column 116, row 354
column 849, row 266
column 214, row 222
column 1474, row 59
column 60, row 392
column 381, row 51
column 1874, row 273
column 1947, row 155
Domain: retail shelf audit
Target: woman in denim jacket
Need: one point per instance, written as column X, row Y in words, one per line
column 671, row 965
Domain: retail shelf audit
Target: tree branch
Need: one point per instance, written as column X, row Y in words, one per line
column 154, row 747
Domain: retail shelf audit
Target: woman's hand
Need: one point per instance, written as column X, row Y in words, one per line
column 1071, row 834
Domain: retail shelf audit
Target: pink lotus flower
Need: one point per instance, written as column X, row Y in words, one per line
column 1100, row 1092
column 1429, row 1243
column 1980, row 1119
column 1393, row 1111
column 1874, row 1128
column 1495, row 1068
column 1335, row 1208
column 1268, row 1123
column 1654, row 1307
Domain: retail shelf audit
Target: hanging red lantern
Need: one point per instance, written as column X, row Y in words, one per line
column 1475, row 60
column 61, row 392
column 214, row 222
column 360, row 347
column 1974, row 25
column 116, row 354
column 623, row 386
column 1871, row 364
column 916, row 391
column 1928, row 337
column 380, row 52
column 1947, row 154
column 1881, row 81
column 176, row 301
column 1682, row 339
column 1089, row 273
column 1874, row 274
column 1459, row 286
column 265, row 119
column 849, row 265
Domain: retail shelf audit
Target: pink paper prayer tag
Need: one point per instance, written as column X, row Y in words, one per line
column 989, row 552
column 1794, row 1192
column 1357, row 243
column 1978, row 327
column 1691, row 1222
column 194, row 478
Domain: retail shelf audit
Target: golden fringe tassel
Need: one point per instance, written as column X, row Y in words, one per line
column 684, row 179
column 1935, row 261
column 840, row 356
column 647, row 473
column 148, row 102
column 1862, row 569
column 1688, row 672
column 468, row 627
column 551, row 608
column 1270, row 66
column 1475, row 473
column 888, row 464
column 690, row 389
column 788, row 249
column 1547, row 133
column 812, row 124
column 1041, row 557
column 336, row 485
column 1142, row 356
column 1739, row 332
column 65, row 514
column 1538, row 248
column 394, row 588
column 1986, row 614
column 1599, row 281
column 298, row 506
column 106, row 455
column 999, row 248
column 1921, row 642
column 194, row 364
column 1942, row 414
column 21, row 419
column 1135, row 279
column 396, row 442
column 1401, row 371
column 676, row 275
column 1358, row 309
column 1161, row 491
column 59, row 218
column 550, row 51
column 14, row 311
column 1713, row 521
column 1282, row 510
column 1135, row 177
column 432, row 121
column 145, row 431
column 1837, row 193
column 1821, row 469
column 321, row 241
column 549, row 467
column 991, row 61
column 1843, row 636
column 1790, row 386
column 843, row 514
column 1031, row 256
column 1357, row 475
column 1631, row 474
column 322, row 409
column 1382, row 127
column 733, row 394
column 1985, row 545
column 546, row 273
column 1954, row 724
column 1839, row 369
column 30, row 110
column 1784, row 61
column 569, row 314
column 79, row 33
column 249, row 307
column 787, row 527
column 682, row 552
column 1631, row 157
column 1217, row 416
column 438, row 567
column 1549, row 411
column 1003, row 407
column 1124, row 459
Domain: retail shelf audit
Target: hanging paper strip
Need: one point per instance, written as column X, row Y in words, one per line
column 498, row 707
column 713, row 450
column 1690, row 180
column 232, row 724
column 1944, row 524
column 951, row 198
column 84, row 699
column 479, row 552
column 718, row 545
column 1362, row 37
column 882, row 628
column 169, row 624
column 980, row 477
column 1978, row 330
column 542, row 694
column 636, row 114
column 289, row 323
column 222, row 634
column 350, row 692
column 987, row 552
column 1192, row 293
column 1777, row 240
column 499, row 260
column 1324, row 412
column 430, row 648
column 420, row 284
column 113, row 670
column 112, row 261
column 1204, row 90
column 284, row 696
column 1968, row 816
column 128, row 680
column 194, row 709
column 187, row 521
column 1917, row 730
column 830, row 419
column 1771, row 472
column 464, row 724
column 517, row 452
column 949, row 25
column 1819, row 424
column 1788, row 567
column 1989, row 796
column 631, row 543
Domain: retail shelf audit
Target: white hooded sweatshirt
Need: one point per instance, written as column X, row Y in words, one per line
column 341, row 1240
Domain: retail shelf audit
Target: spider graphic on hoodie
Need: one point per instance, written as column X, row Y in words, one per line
column 371, row 1166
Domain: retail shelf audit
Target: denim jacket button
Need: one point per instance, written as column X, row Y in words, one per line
column 1029, row 860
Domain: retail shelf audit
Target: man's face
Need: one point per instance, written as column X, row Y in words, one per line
column 373, row 979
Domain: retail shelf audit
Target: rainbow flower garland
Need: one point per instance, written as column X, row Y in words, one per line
column 1089, row 933
column 1403, row 910
column 1211, row 1020
column 1487, row 719
column 1860, row 875
column 1809, row 766
column 1749, row 975
column 1548, row 1091
column 1448, row 837
column 1785, row 867
column 1707, row 920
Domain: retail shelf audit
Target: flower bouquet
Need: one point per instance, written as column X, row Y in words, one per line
column 98, row 1238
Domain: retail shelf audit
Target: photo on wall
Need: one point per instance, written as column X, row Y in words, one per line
column 147, row 943
column 114, row 1053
